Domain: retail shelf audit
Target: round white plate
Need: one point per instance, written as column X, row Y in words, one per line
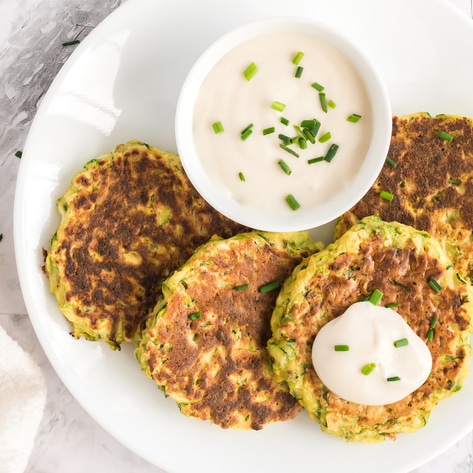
column 122, row 83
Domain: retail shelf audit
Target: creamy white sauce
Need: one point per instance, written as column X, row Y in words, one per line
column 370, row 332
column 227, row 96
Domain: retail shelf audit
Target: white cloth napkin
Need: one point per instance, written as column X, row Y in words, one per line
column 22, row 402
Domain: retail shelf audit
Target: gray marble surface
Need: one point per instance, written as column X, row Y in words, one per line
column 31, row 54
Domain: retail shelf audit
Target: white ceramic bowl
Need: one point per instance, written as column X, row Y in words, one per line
column 306, row 217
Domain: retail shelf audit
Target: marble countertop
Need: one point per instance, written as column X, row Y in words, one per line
column 30, row 56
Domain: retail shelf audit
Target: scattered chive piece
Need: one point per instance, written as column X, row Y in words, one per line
column 283, row 165
column 241, row 287
column 284, row 121
column 331, row 104
column 299, row 71
column 454, row 182
column 325, row 137
column 404, row 286
column 386, row 195
column 430, row 334
column 19, row 154
column 434, row 284
column 434, row 321
column 195, row 315
column 393, row 378
column 268, row 131
column 445, row 136
column 308, row 135
column 278, row 106
column 332, row 151
column 391, row 162
column 309, row 123
column 298, row 130
column 246, row 134
column 184, row 284
column 284, row 138
column 368, row 369
column 317, row 86
column 376, row 297
column 316, row 128
column 249, row 127
column 302, row 143
column 354, row 117
column 297, row 58
column 250, row 71
column 323, row 101
column 341, row 348
column 242, row 177
column 316, row 160
column 460, row 278
column 292, row 202
column 70, row 43
column 392, row 304
column 269, row 287
column 218, row 127
column 402, row 342
column 289, row 150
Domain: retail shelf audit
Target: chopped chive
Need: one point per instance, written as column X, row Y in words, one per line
column 430, row 334
column 434, row 284
column 316, row 128
column 308, row 135
column 445, row 136
column 195, row 315
column 302, row 143
column 316, row 160
column 269, row 287
column 391, row 162
column 241, row 177
column 434, row 321
column 402, row 342
column 283, row 165
column 268, row 131
column 241, row 287
column 354, row 117
column 70, row 43
column 454, row 182
column 317, row 86
column 386, row 195
column 284, row 121
column 299, row 71
column 19, row 154
column 184, row 284
column 292, row 202
column 299, row 131
column 250, row 71
column 404, row 286
column 249, row 127
column 331, row 104
column 341, row 348
column 325, row 137
column 278, row 106
column 218, row 127
column 297, row 58
column 323, row 101
column 332, row 151
column 393, row 378
column 460, row 278
column 289, row 150
column 246, row 132
column 309, row 123
column 284, row 138
column 391, row 305
column 376, row 297
column 368, row 369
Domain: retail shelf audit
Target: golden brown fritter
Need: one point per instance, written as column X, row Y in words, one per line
column 431, row 183
column 398, row 261
column 205, row 345
column 129, row 219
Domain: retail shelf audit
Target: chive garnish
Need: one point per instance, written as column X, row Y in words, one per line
column 269, row 287
column 289, row 150
column 284, row 138
column 268, row 131
column 302, row 143
column 195, row 315
column 376, row 297
column 297, row 58
column 283, row 165
column 434, row 321
column 278, row 106
column 332, row 151
column 241, row 177
column 250, row 71
column 393, row 378
column 309, row 123
column 308, row 135
column 245, row 133
column 218, row 127
column 391, row 162
column 354, row 117
column 392, row 304
column 404, row 286
column 430, row 334
column 284, row 121
column 70, row 43
column 325, row 137
column 445, row 136
column 316, row 160
column 317, row 86
column 434, row 284
column 241, row 287
column 323, row 101
column 368, row 369
column 331, row 104
column 292, row 202
column 341, row 348
column 299, row 71
column 386, row 195
column 19, row 154
column 402, row 342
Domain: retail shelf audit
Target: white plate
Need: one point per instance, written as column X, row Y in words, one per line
column 121, row 83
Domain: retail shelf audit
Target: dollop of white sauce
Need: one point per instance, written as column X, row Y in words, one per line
column 370, row 332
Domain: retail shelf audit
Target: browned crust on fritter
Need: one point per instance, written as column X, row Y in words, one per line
column 122, row 209
column 432, row 183
column 217, row 367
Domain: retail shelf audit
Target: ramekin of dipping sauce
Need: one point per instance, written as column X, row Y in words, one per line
column 283, row 124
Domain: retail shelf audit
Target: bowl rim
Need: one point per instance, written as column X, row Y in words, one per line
column 302, row 219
